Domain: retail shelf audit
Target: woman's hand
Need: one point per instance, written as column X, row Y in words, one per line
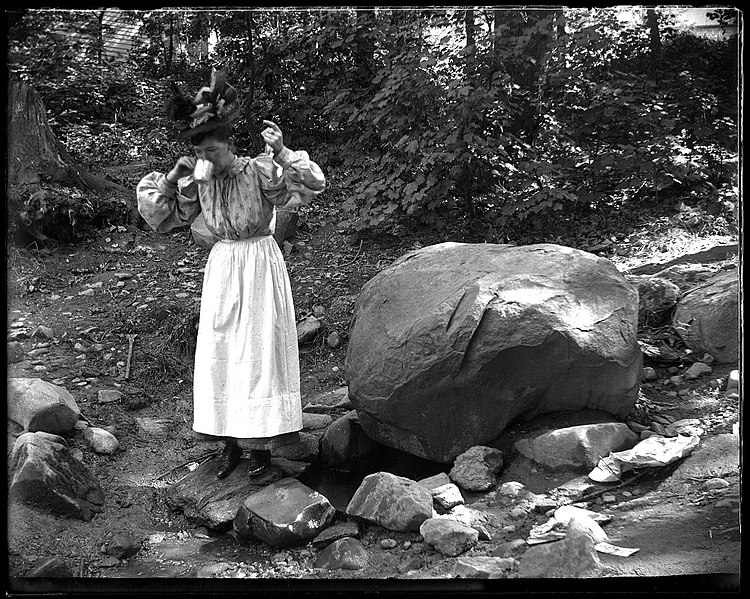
column 183, row 167
column 273, row 136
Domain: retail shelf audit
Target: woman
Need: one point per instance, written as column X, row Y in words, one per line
column 246, row 387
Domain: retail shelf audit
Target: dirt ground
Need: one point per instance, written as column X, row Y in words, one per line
column 148, row 285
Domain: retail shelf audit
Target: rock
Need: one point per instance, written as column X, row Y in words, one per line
column 344, row 554
column 572, row 557
column 686, row 276
column 391, row 501
column 706, row 317
column 511, row 548
column 677, row 380
column 306, row 450
column 308, row 329
column 200, row 233
column 657, row 298
column 686, row 426
column 511, row 489
column 449, row 537
column 464, row 514
column 447, row 496
column 43, row 332
column 50, row 567
column 388, row 543
column 636, row 427
column 328, row 401
column 290, row 467
column 486, row 333
column 697, row 370
column 15, row 352
column 218, row 570
column 577, row 447
column 713, row 484
column 43, row 473
column 214, row 502
column 483, row 567
column 476, row 469
column 154, row 427
column 333, row 340
column 122, row 546
column 109, row 395
column 438, row 480
column 100, row 440
column 41, row 406
column 336, row 532
column 658, row 429
column 284, row 514
column 314, row 422
column 733, row 382
column 346, row 447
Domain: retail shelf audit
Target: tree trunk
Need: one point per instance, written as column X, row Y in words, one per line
column 35, row 159
column 652, row 21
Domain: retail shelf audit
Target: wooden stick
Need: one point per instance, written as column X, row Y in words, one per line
column 131, row 340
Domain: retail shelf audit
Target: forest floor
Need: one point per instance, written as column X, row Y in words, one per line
column 136, row 282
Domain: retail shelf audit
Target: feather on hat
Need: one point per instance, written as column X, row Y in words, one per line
column 212, row 106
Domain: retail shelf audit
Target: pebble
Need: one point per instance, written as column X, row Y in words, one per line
column 733, row 382
column 677, row 380
column 182, row 295
column 388, row 543
column 714, row 484
column 627, row 494
column 43, row 332
column 407, row 545
column 649, row 374
column 87, row 292
column 509, row 528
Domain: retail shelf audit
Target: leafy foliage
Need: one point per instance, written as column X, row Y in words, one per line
column 506, row 115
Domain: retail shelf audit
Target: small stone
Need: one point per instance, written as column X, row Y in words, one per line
column 122, row 546
column 677, row 380
column 87, row 292
column 697, row 370
column 714, row 484
column 510, row 549
column 673, row 370
column 627, row 494
column 407, row 545
column 609, row 498
column 733, row 382
column 510, row 489
column 333, row 340
column 109, row 395
column 318, row 311
column 43, row 332
column 101, row 441
column 658, row 429
column 388, row 543
column 509, row 528
column 649, row 374
column 517, row 513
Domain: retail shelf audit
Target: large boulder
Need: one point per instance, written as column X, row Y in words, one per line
column 706, row 317
column 486, row 334
column 43, row 473
column 41, row 406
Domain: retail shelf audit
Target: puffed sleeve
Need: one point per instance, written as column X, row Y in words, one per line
column 165, row 206
column 296, row 183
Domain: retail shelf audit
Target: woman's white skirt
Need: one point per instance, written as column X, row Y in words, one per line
column 246, row 381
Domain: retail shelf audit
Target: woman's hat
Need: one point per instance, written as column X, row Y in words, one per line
column 212, row 107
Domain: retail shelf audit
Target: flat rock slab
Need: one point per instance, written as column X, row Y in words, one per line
column 44, row 473
column 214, row 502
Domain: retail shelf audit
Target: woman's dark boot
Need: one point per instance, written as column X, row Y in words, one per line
column 229, row 458
column 260, row 459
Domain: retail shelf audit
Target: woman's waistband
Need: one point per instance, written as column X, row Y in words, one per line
column 254, row 239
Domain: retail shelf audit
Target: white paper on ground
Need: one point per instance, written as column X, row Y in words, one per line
column 653, row 451
column 610, row 549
